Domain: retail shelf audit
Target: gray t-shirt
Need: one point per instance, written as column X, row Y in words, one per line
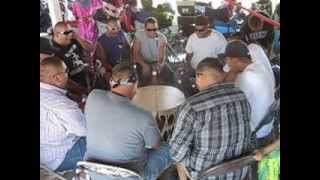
column 150, row 47
column 117, row 130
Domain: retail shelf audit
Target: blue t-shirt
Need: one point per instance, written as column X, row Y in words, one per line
column 112, row 47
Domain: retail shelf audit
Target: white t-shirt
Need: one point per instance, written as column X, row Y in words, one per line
column 258, row 55
column 255, row 83
column 202, row 48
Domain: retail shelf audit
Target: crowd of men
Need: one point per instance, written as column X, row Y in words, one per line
column 236, row 90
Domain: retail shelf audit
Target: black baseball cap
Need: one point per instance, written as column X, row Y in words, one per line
column 236, row 48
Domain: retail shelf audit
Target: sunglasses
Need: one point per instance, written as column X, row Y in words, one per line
column 66, row 32
column 201, row 30
column 152, row 29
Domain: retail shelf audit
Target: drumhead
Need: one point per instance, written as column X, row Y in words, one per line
column 158, row 98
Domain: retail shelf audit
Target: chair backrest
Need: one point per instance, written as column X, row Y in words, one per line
column 228, row 166
column 96, row 171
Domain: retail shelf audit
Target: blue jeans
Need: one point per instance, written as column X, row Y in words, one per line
column 158, row 161
column 75, row 154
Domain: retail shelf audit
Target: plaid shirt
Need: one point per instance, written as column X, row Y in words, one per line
column 212, row 127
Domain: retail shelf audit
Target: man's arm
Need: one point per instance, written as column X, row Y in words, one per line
column 270, row 39
column 162, row 54
column 182, row 135
column 137, row 57
column 151, row 133
column 72, row 119
column 189, row 50
column 86, row 45
column 259, row 154
column 223, row 43
column 102, row 55
column 189, row 57
column 182, row 172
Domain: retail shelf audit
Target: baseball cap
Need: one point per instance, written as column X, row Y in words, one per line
column 236, row 48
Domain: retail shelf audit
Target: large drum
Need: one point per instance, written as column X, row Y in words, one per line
column 162, row 101
column 96, row 171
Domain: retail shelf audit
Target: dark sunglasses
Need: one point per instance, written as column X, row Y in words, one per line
column 66, row 32
column 201, row 30
column 152, row 29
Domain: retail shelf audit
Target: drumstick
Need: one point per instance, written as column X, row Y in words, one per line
column 269, row 20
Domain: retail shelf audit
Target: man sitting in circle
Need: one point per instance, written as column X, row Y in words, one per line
column 121, row 133
column 149, row 49
column 258, row 83
column 204, row 42
column 62, row 124
column 212, row 126
column 113, row 47
column 71, row 48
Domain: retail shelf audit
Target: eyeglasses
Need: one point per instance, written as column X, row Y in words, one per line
column 66, row 32
column 152, row 29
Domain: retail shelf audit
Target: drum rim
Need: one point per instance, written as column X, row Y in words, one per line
column 96, row 165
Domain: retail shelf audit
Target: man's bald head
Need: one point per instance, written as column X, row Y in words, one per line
column 122, row 71
column 53, row 71
column 60, row 25
column 209, row 71
column 62, row 33
column 123, row 80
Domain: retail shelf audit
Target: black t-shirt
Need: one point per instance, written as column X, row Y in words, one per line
column 264, row 37
column 72, row 55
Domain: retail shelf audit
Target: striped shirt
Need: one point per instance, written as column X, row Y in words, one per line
column 61, row 125
column 212, row 127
